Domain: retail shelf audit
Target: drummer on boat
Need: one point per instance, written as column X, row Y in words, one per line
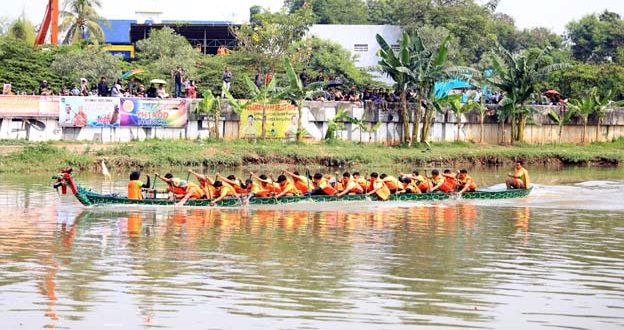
column 519, row 179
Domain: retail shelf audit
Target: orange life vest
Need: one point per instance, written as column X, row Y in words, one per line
column 303, row 184
column 135, row 189
column 382, row 190
column 326, row 187
column 352, row 186
column 464, row 179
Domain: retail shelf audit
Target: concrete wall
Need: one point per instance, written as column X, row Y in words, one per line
column 316, row 119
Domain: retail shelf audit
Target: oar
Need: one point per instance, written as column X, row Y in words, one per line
column 154, row 185
column 367, row 197
column 273, row 181
column 308, row 178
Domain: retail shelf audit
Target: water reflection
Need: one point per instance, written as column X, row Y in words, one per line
column 448, row 264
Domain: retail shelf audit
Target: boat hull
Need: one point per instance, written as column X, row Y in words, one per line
column 90, row 198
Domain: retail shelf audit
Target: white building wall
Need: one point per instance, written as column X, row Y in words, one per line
column 360, row 40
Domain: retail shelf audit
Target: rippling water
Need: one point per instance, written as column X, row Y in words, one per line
column 553, row 260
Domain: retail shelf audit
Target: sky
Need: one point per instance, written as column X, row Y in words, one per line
column 552, row 14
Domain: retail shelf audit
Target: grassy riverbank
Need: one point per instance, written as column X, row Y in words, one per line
column 42, row 157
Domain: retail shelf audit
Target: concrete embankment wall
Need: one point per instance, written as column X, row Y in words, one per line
column 316, row 119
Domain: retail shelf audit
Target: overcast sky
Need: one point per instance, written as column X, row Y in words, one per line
column 553, row 14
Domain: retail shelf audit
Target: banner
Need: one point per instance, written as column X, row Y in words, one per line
column 28, row 106
column 281, row 121
column 79, row 111
column 153, row 112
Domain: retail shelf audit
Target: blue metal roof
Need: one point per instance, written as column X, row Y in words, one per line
column 117, row 32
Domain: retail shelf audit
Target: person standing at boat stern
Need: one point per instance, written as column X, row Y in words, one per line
column 136, row 186
column 519, row 179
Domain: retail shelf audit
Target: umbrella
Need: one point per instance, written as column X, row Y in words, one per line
column 551, row 92
column 131, row 73
column 158, row 81
column 334, row 83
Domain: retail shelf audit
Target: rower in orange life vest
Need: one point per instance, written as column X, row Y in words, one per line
column 136, row 186
column 409, row 187
column 182, row 188
column 322, row 186
column 391, row 182
column 465, row 183
column 437, row 181
column 520, row 178
column 420, row 181
column 349, row 186
column 287, row 187
column 302, row 182
column 205, row 183
column 222, row 191
column 272, row 188
column 232, row 181
column 360, row 180
column 378, row 187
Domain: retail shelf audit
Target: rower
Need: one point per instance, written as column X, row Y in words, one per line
column 437, row 181
column 450, row 182
column 360, row 180
column 322, row 186
column 182, row 188
column 267, row 184
column 409, row 187
column 302, row 182
column 420, row 181
column 205, row 183
column 520, row 178
column 232, row 180
column 465, row 183
column 222, row 191
column 136, row 186
column 350, row 186
column 287, row 188
column 378, row 187
column 391, row 182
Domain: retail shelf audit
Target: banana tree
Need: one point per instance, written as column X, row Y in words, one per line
column 602, row 105
column 459, row 108
column 400, row 68
column 583, row 108
column 518, row 77
column 211, row 104
column 297, row 93
column 264, row 96
column 482, row 112
column 562, row 117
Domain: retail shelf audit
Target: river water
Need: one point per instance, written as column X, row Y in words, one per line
column 552, row 260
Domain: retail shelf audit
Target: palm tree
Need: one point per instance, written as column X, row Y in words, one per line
column 518, row 77
column 297, row 93
column 562, row 117
column 399, row 68
column 211, row 104
column 80, row 21
column 602, row 105
column 583, row 108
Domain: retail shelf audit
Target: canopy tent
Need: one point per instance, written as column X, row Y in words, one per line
column 442, row 88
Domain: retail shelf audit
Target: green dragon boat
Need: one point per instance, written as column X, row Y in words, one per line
column 89, row 197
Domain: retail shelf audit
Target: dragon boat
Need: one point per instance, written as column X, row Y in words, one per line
column 88, row 197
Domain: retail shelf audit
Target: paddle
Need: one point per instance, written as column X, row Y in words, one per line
column 154, row 185
column 367, row 198
column 308, row 177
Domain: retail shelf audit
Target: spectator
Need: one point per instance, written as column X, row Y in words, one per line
column 258, row 79
column 227, row 79
column 94, row 90
column 303, row 76
column 178, row 77
column 140, row 92
column 191, row 91
column 161, row 93
column 103, row 87
column 267, row 78
column 132, row 86
column 84, row 87
column 116, row 89
column 151, row 91
column 353, row 95
column 6, row 89
column 43, row 88
column 74, row 91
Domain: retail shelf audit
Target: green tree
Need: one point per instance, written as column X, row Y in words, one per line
column 575, row 83
column 597, row 38
column 25, row 66
column 22, row 29
column 518, row 78
column 211, row 104
column 602, row 105
column 583, row 108
column 81, row 22
column 333, row 11
column 90, row 63
column 164, row 50
column 459, row 108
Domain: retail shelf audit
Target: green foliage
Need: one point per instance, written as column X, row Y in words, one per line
column 324, row 57
column 90, row 63
column 333, row 11
column 210, row 71
column 23, row 30
column 164, row 50
column 597, row 38
column 25, row 66
column 81, row 22
column 575, row 83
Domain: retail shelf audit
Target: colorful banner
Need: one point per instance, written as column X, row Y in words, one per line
column 281, row 121
column 78, row 111
column 153, row 112
column 28, row 106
